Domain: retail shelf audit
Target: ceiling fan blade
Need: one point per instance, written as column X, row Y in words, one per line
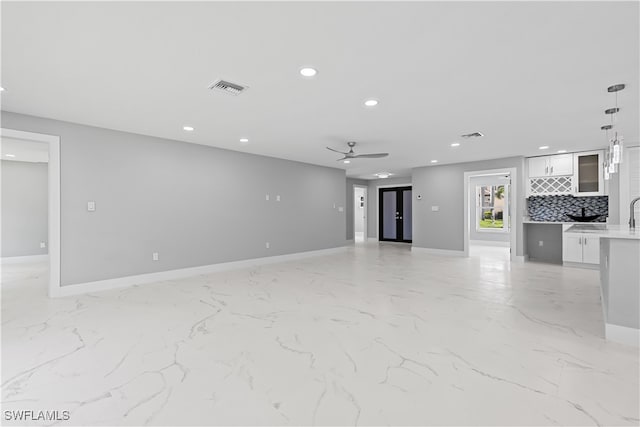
column 344, row 158
column 372, row 156
column 341, row 152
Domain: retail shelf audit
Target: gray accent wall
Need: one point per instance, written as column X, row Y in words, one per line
column 443, row 186
column 195, row 205
column 24, row 208
column 349, row 206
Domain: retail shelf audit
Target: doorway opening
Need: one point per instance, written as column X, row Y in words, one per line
column 489, row 208
column 360, row 213
column 394, row 214
column 31, row 205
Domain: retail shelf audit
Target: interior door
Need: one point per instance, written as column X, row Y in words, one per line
column 395, row 220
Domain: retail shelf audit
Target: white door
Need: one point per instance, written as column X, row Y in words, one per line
column 538, row 167
column 591, row 249
column 561, row 165
column 572, row 247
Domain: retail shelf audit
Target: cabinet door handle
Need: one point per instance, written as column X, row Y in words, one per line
column 580, row 240
column 585, row 241
column 551, row 169
column 546, row 170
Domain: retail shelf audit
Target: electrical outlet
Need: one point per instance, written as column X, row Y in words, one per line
column 435, row 208
column 43, row 245
column 91, row 206
column 155, row 256
column 267, row 245
column 540, row 243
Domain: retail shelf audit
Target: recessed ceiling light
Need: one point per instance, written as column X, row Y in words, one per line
column 188, row 128
column 308, row 72
column 244, row 140
column 371, row 102
column 562, row 151
column 434, row 161
column 347, row 161
column 10, row 155
column 543, row 147
column 383, row 174
column 455, row 144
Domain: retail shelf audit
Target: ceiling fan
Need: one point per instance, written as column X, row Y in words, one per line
column 351, row 155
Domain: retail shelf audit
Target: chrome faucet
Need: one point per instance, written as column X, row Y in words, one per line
column 632, row 217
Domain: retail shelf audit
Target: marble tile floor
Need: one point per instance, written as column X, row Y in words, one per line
column 374, row 336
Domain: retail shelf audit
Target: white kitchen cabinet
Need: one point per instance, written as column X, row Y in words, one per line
column 590, row 249
column 580, row 248
column 572, row 247
column 588, row 176
column 558, row 165
column 561, row 165
column 538, row 167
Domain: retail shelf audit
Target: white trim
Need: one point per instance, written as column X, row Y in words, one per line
column 521, row 258
column 372, row 239
column 622, row 334
column 432, row 251
column 378, row 187
column 581, row 265
column 489, row 243
column 54, row 199
column 351, row 242
column 513, row 211
column 365, row 207
column 24, row 259
column 123, row 282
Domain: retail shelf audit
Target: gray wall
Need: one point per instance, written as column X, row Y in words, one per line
column 372, row 209
column 193, row 204
column 349, row 206
column 551, row 237
column 24, row 208
column 443, row 186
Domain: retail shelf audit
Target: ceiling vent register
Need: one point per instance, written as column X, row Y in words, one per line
column 228, row 87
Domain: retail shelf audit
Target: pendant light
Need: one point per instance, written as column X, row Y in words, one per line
column 606, row 163
column 615, row 139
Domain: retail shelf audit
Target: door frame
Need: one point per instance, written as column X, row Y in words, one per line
column 366, row 210
column 513, row 236
column 53, row 213
column 379, row 206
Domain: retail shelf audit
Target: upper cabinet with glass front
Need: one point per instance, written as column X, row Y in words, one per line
column 588, row 177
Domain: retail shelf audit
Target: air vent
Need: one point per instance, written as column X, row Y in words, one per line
column 228, row 87
column 472, row 135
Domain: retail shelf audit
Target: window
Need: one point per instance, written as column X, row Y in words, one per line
column 492, row 211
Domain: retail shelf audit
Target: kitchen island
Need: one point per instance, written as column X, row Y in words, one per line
column 619, row 279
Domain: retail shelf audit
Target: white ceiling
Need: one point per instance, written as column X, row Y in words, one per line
column 19, row 150
column 525, row 74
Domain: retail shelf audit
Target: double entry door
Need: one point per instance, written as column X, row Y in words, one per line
column 395, row 214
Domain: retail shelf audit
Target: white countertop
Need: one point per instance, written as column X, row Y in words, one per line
column 606, row 231
column 530, row 221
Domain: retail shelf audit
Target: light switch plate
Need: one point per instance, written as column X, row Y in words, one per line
column 266, row 197
column 278, row 198
column 340, row 209
column 267, row 245
column 91, row 206
column 43, row 245
column 435, row 208
column 155, row 256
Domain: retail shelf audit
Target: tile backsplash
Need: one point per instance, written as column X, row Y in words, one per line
column 555, row 208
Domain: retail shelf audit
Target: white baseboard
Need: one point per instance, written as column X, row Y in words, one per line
column 521, row 258
column 581, row 265
column 432, row 251
column 622, row 334
column 123, row 282
column 351, row 242
column 25, row 259
column 489, row 243
column 372, row 239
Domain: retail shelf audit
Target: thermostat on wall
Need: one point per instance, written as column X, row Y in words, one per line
column 419, row 197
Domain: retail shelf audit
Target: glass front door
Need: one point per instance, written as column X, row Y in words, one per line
column 395, row 214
